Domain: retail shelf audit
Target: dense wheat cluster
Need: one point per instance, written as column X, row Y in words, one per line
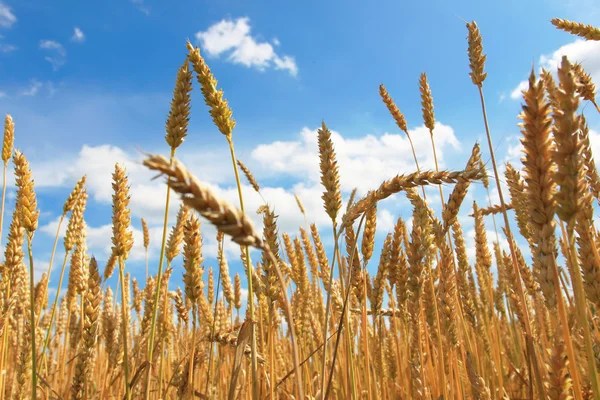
column 327, row 320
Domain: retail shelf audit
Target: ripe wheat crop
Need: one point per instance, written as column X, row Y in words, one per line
column 326, row 320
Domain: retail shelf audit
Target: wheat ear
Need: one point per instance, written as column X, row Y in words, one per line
column 588, row 32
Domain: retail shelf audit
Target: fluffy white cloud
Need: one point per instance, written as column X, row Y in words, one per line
column 517, row 92
column 78, row 35
column 58, row 57
column 582, row 51
column 7, row 18
column 364, row 162
column 233, row 37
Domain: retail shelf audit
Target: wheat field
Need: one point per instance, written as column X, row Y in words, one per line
column 427, row 325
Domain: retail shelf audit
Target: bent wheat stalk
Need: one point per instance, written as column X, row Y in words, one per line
column 227, row 219
column 403, row 182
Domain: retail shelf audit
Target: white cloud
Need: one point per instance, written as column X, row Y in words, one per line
column 36, row 87
column 385, row 221
column 514, row 152
column 385, row 156
column 78, row 35
column 582, row 51
column 595, row 144
column 517, row 92
column 7, row 18
column 33, row 89
column 233, row 37
column 51, row 227
column 59, row 54
column 55, row 62
column 52, row 45
column 39, row 268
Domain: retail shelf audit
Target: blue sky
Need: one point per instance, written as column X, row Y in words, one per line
column 89, row 85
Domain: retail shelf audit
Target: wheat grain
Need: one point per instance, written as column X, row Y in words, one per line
column 329, row 173
column 476, row 56
column 537, row 145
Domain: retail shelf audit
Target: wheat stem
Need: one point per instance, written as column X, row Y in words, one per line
column 32, row 311
column 158, row 285
column 191, row 362
column 125, row 327
column 250, row 272
column 529, row 338
column 53, row 312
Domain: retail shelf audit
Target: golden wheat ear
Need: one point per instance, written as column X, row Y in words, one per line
column 588, row 32
column 199, row 197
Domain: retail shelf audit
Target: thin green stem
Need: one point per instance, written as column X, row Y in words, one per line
column 158, row 285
